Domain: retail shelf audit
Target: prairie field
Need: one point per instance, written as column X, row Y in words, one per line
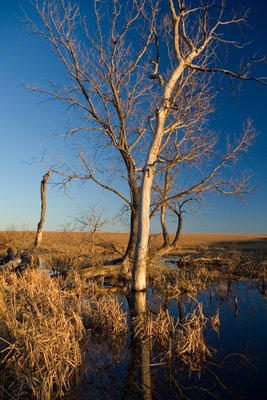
column 109, row 244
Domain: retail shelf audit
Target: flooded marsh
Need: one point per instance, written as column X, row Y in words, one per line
column 233, row 366
column 197, row 333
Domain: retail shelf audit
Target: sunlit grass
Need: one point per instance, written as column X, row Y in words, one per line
column 46, row 322
column 41, row 334
column 43, row 326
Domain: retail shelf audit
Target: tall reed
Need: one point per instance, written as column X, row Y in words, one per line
column 44, row 323
column 41, row 331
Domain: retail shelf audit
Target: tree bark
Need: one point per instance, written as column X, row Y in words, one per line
column 141, row 250
column 39, row 232
column 168, row 247
column 103, row 270
column 165, row 234
column 135, row 196
column 129, row 254
column 179, row 229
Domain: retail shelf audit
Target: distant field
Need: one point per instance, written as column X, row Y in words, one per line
column 196, row 241
column 110, row 243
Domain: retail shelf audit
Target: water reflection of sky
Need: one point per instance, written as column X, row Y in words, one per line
column 243, row 330
column 237, row 366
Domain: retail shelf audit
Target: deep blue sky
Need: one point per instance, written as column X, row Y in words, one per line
column 28, row 127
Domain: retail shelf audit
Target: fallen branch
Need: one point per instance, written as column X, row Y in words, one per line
column 104, row 270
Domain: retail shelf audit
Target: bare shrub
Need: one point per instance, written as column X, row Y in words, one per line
column 72, row 250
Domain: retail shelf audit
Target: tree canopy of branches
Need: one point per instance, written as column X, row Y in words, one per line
column 144, row 75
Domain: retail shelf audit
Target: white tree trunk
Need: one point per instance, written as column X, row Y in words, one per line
column 141, row 250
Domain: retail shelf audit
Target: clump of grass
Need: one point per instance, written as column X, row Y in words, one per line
column 183, row 340
column 41, row 331
column 104, row 316
column 193, row 280
column 152, row 328
column 190, row 344
column 172, row 283
column 165, row 281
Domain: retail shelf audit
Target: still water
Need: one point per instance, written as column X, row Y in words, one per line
column 236, row 368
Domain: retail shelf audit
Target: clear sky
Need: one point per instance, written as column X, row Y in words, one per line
column 28, row 126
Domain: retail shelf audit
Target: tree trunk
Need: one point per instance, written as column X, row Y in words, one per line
column 179, row 229
column 135, row 195
column 129, row 254
column 141, row 250
column 39, row 232
column 167, row 247
column 165, row 234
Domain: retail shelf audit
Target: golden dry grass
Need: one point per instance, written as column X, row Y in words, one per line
column 64, row 250
column 201, row 242
column 43, row 325
column 183, row 340
column 40, row 333
column 43, row 321
column 69, row 249
column 106, row 240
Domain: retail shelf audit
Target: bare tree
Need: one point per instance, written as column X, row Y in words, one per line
column 144, row 77
column 109, row 83
column 39, row 232
column 168, row 198
column 92, row 220
column 192, row 51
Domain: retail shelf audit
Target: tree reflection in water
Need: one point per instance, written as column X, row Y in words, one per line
column 142, row 367
column 139, row 374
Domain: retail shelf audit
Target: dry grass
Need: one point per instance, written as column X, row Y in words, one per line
column 66, row 250
column 172, row 283
column 41, row 334
column 181, row 339
column 104, row 316
column 43, row 325
column 19, row 241
column 193, row 274
column 190, row 345
column 44, row 321
column 73, row 248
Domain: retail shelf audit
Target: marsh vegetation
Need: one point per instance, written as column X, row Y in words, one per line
column 76, row 338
